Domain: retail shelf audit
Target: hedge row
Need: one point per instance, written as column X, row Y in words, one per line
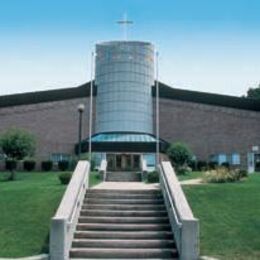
column 205, row 166
column 29, row 165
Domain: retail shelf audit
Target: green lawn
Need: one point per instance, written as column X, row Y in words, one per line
column 26, row 207
column 229, row 217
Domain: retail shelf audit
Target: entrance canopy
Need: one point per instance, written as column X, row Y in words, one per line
column 123, row 142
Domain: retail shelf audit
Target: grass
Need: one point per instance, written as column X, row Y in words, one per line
column 229, row 218
column 191, row 175
column 26, row 207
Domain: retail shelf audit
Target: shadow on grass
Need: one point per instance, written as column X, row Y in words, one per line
column 45, row 248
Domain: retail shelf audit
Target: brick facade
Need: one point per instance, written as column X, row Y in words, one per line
column 207, row 129
column 54, row 124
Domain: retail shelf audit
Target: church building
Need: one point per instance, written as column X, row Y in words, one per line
column 216, row 127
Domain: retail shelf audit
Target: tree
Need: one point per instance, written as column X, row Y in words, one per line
column 17, row 144
column 179, row 154
column 254, row 92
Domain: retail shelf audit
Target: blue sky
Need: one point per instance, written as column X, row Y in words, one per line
column 204, row 45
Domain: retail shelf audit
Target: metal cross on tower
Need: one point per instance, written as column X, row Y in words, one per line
column 124, row 24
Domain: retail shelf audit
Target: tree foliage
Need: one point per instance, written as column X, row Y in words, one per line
column 17, row 143
column 254, row 92
column 179, row 154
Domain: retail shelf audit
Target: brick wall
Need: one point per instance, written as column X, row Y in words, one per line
column 55, row 124
column 206, row 129
column 209, row 129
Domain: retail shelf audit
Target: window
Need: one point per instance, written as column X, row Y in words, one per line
column 150, row 159
column 222, row 158
column 57, row 157
column 213, row 158
column 235, row 159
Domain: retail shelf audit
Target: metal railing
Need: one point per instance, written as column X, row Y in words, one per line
column 184, row 226
column 64, row 222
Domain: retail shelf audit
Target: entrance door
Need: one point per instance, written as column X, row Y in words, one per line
column 123, row 162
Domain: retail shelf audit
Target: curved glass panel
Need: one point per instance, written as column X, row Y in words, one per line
column 124, row 77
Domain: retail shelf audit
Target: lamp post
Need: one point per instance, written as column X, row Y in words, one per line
column 157, row 110
column 81, row 109
column 92, row 64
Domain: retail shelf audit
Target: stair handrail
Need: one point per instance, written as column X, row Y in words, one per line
column 144, row 169
column 184, row 226
column 64, row 222
column 103, row 169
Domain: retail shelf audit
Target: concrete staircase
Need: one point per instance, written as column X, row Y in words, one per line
column 124, row 176
column 123, row 224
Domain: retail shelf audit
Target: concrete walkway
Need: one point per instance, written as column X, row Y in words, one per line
column 192, row 182
column 126, row 186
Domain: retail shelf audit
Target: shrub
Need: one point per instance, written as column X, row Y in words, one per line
column 63, row 165
column 183, row 170
column 257, row 165
column 193, row 165
column 10, row 164
column 223, row 174
column 225, row 164
column 242, row 174
column 29, row 165
column 47, row 165
column 179, row 154
column 212, row 165
column 65, row 177
column 202, row 165
column 16, row 144
column 152, row 177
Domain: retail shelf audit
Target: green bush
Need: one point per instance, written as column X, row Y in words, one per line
column 202, row 166
column 152, row 177
column 29, row 165
column 63, row 165
column 65, row 177
column 183, row 170
column 10, row 164
column 47, row 165
column 193, row 165
column 225, row 164
column 223, row 174
column 212, row 165
column 179, row 154
column 257, row 165
column 242, row 173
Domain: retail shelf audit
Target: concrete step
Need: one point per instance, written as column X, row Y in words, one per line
column 123, row 176
column 117, row 191
column 123, row 258
column 114, row 253
column 127, row 243
column 123, row 213
column 123, row 201
column 122, row 207
column 123, row 196
column 123, row 227
column 124, row 220
column 123, row 235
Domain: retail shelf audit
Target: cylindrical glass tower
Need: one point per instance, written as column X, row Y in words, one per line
column 124, row 77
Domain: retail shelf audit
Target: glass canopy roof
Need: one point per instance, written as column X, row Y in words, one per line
column 123, row 137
